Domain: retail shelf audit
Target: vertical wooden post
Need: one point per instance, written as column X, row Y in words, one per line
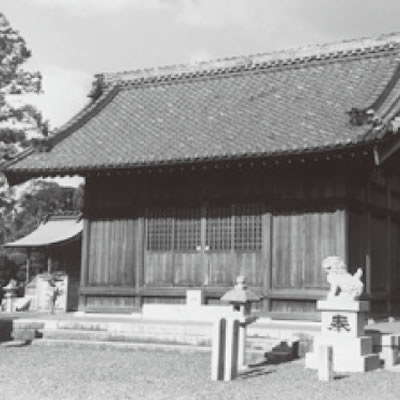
column 368, row 284
column 346, row 236
column 84, row 260
column 49, row 261
column 28, row 266
column 389, row 248
column 140, row 248
column 204, row 257
column 266, row 248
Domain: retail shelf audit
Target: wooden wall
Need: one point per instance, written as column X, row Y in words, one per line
column 374, row 241
column 307, row 215
column 110, row 272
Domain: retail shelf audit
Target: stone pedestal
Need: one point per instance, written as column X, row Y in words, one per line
column 343, row 328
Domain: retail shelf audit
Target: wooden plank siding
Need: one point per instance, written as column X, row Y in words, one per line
column 374, row 240
column 299, row 243
column 112, row 253
column 305, row 217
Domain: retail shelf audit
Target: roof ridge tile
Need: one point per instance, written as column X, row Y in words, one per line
column 301, row 55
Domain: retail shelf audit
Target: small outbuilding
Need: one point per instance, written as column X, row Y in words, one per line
column 259, row 166
column 58, row 238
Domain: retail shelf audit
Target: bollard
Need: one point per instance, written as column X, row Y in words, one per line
column 225, row 347
column 325, row 363
column 218, row 349
column 390, row 350
column 231, row 349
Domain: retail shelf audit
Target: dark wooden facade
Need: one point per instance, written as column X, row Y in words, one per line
column 154, row 233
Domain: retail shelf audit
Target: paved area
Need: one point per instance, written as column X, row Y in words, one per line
column 70, row 373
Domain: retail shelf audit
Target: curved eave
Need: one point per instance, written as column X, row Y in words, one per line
column 84, row 115
column 51, row 233
column 337, row 151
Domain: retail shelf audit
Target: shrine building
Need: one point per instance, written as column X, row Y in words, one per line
column 259, row 166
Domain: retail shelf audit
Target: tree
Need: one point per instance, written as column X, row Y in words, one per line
column 19, row 122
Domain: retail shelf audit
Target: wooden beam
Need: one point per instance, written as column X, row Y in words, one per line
column 107, row 291
column 386, row 150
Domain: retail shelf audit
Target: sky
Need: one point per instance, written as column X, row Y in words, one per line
column 71, row 40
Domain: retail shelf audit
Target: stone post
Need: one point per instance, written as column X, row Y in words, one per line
column 231, row 349
column 325, row 363
column 218, row 349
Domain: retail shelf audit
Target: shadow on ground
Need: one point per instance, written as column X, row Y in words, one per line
column 254, row 372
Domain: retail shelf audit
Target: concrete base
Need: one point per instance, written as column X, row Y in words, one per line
column 365, row 363
column 342, row 328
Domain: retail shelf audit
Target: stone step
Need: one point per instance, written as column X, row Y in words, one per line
column 260, row 339
column 121, row 345
column 140, row 337
column 133, row 326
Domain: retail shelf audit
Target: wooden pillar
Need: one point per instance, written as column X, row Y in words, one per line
column 266, row 248
column 84, row 260
column 28, row 267
column 49, row 261
column 139, row 272
column 368, row 285
column 204, row 258
column 389, row 248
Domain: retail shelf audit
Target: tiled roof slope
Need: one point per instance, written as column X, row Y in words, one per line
column 244, row 107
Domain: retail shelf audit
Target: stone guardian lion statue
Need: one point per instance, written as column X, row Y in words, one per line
column 343, row 286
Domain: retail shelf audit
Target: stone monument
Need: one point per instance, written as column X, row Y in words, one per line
column 343, row 317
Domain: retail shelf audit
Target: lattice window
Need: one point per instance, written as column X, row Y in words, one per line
column 219, row 228
column 159, row 231
column 248, row 228
column 187, row 229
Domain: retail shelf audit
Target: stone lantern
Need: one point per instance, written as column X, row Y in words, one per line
column 241, row 299
column 10, row 292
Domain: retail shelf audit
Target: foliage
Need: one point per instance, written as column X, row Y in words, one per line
column 21, row 125
column 19, row 122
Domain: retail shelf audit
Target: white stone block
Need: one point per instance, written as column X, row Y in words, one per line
column 350, row 346
column 194, row 298
column 343, row 305
column 390, row 351
column 325, row 363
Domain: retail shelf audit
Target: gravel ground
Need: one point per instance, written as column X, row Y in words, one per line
column 33, row 373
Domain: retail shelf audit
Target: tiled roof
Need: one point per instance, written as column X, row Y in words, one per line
column 264, row 105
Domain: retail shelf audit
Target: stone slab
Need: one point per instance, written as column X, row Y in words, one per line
column 342, row 305
column 194, row 298
column 182, row 312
